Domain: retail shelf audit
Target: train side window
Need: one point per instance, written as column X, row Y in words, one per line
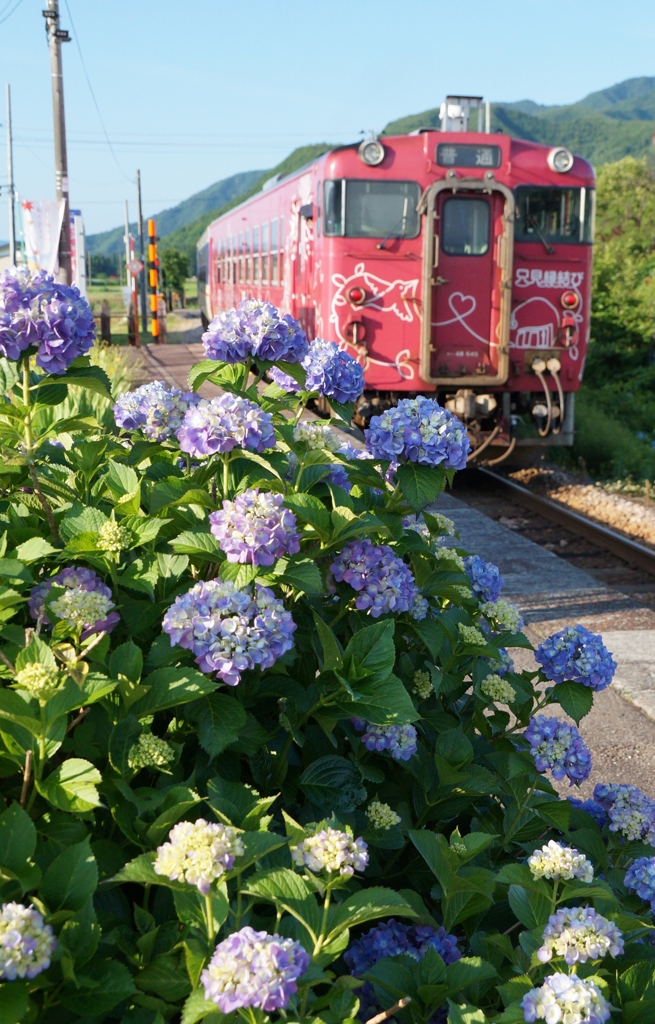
column 265, row 254
column 334, row 192
column 274, row 252
column 317, row 219
column 201, row 264
column 465, row 226
column 248, row 261
column 280, row 249
column 255, row 255
column 234, row 259
column 560, row 215
column 219, row 265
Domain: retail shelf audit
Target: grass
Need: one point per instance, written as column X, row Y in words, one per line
column 105, row 290
column 605, row 447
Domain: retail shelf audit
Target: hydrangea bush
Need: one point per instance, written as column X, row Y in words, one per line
column 264, row 753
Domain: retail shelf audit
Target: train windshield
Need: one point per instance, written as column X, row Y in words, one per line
column 554, row 215
column 371, row 209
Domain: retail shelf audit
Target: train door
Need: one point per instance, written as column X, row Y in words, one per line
column 467, row 273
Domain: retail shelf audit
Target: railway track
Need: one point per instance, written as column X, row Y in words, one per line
column 611, row 558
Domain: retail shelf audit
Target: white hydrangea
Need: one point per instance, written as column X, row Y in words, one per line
column 498, row 689
column 422, row 684
column 40, row 681
column 504, row 614
column 381, row 815
column 447, row 554
column 198, row 852
column 331, row 850
column 317, row 435
column 150, row 752
column 559, row 862
column 444, row 524
column 471, row 635
column 113, row 538
column 26, row 943
column 462, row 590
column 80, row 608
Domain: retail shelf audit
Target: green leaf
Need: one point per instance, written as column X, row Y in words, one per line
column 17, row 839
column 236, row 803
column 163, row 978
column 469, row 970
column 36, row 653
column 437, row 854
column 141, row 870
column 36, row 549
column 13, row 994
column 367, row 905
column 464, row 1013
column 257, row 845
column 577, row 700
column 190, row 906
column 9, row 374
column 332, row 649
column 92, row 378
column 301, row 573
column 371, row 652
column 333, row 784
column 123, row 736
column 220, row 719
column 81, row 933
column 50, row 394
column 81, row 519
column 72, row 786
column 127, row 660
column 168, row 687
column 198, row 1007
column 531, row 908
column 121, row 479
column 432, row 634
column 96, row 994
column 310, row 510
column 382, row 702
column 421, row 485
column 179, row 800
column 71, row 878
column 199, row 543
column 290, row 892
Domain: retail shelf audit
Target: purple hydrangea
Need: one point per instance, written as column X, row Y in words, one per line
column 222, row 423
column 155, row 409
column 255, row 528
column 381, row 579
column 640, row 878
column 565, row 997
column 630, row 811
column 577, row 655
column 579, row 934
column 419, row 430
column 559, row 748
column 393, row 938
column 36, row 310
column 284, row 380
column 252, row 968
column 86, row 602
column 592, row 808
column 486, row 581
column 332, row 372
column 255, row 329
column 26, row 942
column 398, row 740
column 230, row 630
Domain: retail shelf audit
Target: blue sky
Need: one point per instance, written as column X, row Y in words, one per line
column 193, row 91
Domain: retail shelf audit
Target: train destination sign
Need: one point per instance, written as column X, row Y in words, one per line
column 467, row 155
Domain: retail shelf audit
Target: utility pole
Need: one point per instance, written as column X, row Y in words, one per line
column 128, row 275
column 142, row 257
column 11, row 189
column 57, row 36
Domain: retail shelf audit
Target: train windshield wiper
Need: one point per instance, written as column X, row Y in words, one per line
column 393, row 233
column 548, row 247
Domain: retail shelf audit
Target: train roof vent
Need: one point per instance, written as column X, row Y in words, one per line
column 270, row 182
column 421, row 131
column 456, row 112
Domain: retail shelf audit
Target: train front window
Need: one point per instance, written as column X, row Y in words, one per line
column 371, row 209
column 465, row 226
column 554, row 215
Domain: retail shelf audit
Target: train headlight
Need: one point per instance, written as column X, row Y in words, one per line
column 371, row 152
column 560, row 160
column 570, row 300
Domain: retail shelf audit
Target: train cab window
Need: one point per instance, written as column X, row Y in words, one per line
column 274, row 247
column 371, row 209
column 264, row 253
column 201, row 264
column 554, row 215
column 465, row 224
column 255, row 255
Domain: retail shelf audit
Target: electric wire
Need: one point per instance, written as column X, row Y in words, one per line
column 93, row 95
column 12, row 11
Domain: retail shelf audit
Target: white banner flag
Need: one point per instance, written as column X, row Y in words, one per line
column 78, row 251
column 42, row 221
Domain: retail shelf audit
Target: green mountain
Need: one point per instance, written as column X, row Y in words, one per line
column 108, row 242
column 603, row 127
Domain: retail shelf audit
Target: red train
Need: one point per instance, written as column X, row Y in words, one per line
column 449, row 261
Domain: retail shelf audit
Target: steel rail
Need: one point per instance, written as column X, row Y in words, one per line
column 629, row 550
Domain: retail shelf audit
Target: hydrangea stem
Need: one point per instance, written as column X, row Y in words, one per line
column 226, row 473
column 324, row 923
column 29, row 450
column 209, row 917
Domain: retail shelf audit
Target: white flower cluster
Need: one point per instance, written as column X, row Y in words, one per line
column 444, row 524
column 317, row 435
column 448, row 555
column 198, row 852
column 504, row 614
column 26, row 943
column 422, row 684
column 556, row 862
column 498, row 689
column 80, row 608
column 331, row 850
column 565, row 999
column 471, row 635
column 40, row 681
column 462, row 590
column 113, row 538
column 381, row 815
column 150, row 752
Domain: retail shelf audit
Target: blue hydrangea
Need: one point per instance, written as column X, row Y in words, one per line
column 398, row 740
column 155, row 409
column 559, row 748
column 486, row 581
column 251, row 968
column 640, row 878
column 381, row 579
column 284, row 380
column 223, row 423
column 255, row 329
column 332, row 372
column 630, row 811
column 592, row 808
column 577, row 655
column 419, row 430
column 255, row 528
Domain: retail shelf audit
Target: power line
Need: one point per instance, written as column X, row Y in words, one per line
column 12, row 11
column 93, row 95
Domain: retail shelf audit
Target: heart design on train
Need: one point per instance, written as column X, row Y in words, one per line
column 461, row 305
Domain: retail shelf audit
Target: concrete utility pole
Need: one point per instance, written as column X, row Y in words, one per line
column 128, row 274
column 57, row 36
column 142, row 257
column 11, row 189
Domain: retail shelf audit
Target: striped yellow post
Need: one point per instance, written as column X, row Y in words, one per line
column 153, row 278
